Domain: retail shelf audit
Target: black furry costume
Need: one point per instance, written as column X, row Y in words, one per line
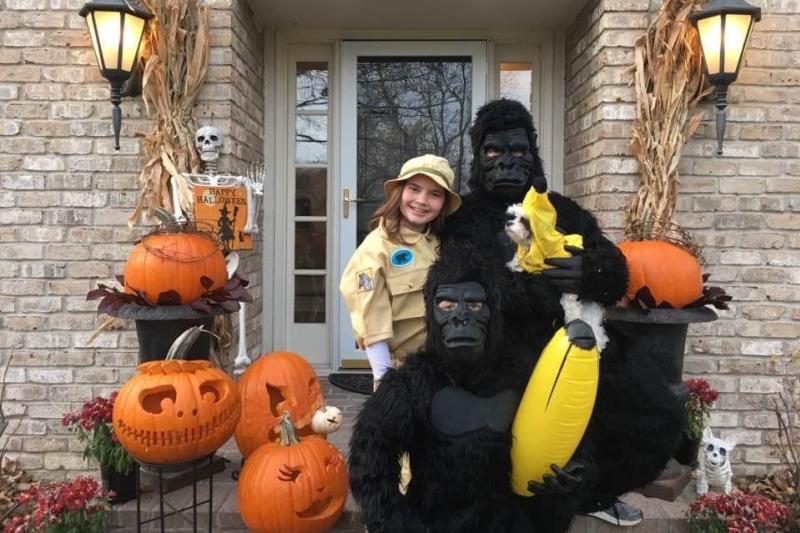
column 637, row 420
column 459, row 483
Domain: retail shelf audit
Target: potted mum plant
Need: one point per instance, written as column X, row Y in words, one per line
column 93, row 428
column 701, row 398
column 80, row 505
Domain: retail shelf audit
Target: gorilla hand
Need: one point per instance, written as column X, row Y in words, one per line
column 568, row 272
column 565, row 481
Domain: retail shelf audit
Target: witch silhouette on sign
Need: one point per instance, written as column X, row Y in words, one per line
column 225, row 226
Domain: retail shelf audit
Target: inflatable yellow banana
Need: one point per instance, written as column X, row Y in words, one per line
column 554, row 410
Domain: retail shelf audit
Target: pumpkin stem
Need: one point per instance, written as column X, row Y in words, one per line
column 184, row 341
column 288, row 431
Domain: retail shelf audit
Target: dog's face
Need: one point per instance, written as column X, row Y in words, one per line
column 716, row 451
column 517, row 225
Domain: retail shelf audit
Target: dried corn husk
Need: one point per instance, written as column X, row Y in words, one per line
column 176, row 63
column 669, row 82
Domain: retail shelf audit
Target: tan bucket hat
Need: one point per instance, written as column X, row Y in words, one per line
column 436, row 168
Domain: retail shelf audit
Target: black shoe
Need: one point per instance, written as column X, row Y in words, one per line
column 619, row 514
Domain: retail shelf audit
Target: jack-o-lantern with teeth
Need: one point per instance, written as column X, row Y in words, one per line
column 298, row 485
column 174, row 411
column 277, row 382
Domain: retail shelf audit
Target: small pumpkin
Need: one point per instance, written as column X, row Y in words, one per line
column 276, row 382
column 297, row 485
column 174, row 266
column 174, row 411
column 671, row 274
column 326, row 419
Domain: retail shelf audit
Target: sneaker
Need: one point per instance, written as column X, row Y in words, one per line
column 619, row 514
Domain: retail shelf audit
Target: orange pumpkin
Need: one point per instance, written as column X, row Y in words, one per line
column 297, row 485
column 670, row 273
column 175, row 267
column 275, row 383
column 174, row 411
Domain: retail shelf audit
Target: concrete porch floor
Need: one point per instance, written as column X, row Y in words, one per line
column 659, row 516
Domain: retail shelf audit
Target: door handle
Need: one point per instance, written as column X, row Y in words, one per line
column 346, row 201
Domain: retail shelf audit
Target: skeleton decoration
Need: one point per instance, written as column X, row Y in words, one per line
column 714, row 461
column 208, row 142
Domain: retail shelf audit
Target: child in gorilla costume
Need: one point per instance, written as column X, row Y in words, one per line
column 637, row 420
column 450, row 407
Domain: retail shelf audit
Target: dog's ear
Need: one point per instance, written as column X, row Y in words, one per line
column 707, row 437
column 731, row 442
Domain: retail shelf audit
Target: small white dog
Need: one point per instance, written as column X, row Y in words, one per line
column 714, row 459
column 518, row 229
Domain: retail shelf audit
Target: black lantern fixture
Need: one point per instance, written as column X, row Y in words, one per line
column 116, row 27
column 724, row 27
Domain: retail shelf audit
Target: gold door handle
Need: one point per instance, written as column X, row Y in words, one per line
column 346, row 201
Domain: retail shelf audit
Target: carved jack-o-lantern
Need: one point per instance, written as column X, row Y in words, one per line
column 298, row 485
column 275, row 383
column 175, row 411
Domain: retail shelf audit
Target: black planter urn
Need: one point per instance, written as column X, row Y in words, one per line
column 662, row 334
column 123, row 485
column 157, row 328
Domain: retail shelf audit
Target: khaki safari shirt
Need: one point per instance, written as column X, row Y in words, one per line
column 382, row 288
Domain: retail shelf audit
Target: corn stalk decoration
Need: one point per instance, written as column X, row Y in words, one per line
column 669, row 82
column 175, row 66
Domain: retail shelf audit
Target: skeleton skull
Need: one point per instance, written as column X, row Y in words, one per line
column 208, row 142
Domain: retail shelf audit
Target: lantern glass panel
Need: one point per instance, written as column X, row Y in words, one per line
column 95, row 44
column 134, row 26
column 107, row 26
column 710, row 30
column 736, row 29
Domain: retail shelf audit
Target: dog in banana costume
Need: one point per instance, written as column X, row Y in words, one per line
column 558, row 401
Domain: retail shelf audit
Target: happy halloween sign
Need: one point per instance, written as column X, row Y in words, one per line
column 224, row 209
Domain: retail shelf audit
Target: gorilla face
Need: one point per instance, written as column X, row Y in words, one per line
column 462, row 312
column 506, row 161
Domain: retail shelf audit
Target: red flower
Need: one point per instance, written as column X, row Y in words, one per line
column 742, row 512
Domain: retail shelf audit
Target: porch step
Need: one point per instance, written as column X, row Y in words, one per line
column 659, row 516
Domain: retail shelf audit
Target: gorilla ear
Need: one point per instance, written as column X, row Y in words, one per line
column 540, row 184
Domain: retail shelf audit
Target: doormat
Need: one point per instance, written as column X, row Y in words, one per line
column 353, row 382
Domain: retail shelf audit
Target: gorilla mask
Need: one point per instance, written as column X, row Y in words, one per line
column 505, row 157
column 462, row 312
column 506, row 161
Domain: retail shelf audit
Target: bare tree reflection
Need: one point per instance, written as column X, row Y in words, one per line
column 407, row 107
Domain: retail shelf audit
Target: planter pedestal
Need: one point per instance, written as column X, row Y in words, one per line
column 662, row 333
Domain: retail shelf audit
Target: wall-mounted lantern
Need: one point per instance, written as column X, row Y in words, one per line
column 724, row 27
column 116, row 27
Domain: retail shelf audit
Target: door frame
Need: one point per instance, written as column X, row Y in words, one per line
column 544, row 48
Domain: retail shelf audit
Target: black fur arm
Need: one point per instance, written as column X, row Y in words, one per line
column 383, row 430
column 605, row 273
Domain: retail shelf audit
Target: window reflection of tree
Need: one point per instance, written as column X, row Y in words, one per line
column 312, row 86
column 407, row 107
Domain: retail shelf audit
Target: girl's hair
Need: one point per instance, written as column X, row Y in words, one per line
column 389, row 210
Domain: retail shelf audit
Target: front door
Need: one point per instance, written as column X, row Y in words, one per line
column 398, row 100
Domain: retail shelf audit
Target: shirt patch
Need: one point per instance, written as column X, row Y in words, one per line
column 365, row 283
column 402, row 257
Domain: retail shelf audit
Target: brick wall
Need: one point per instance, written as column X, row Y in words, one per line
column 742, row 206
column 65, row 195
